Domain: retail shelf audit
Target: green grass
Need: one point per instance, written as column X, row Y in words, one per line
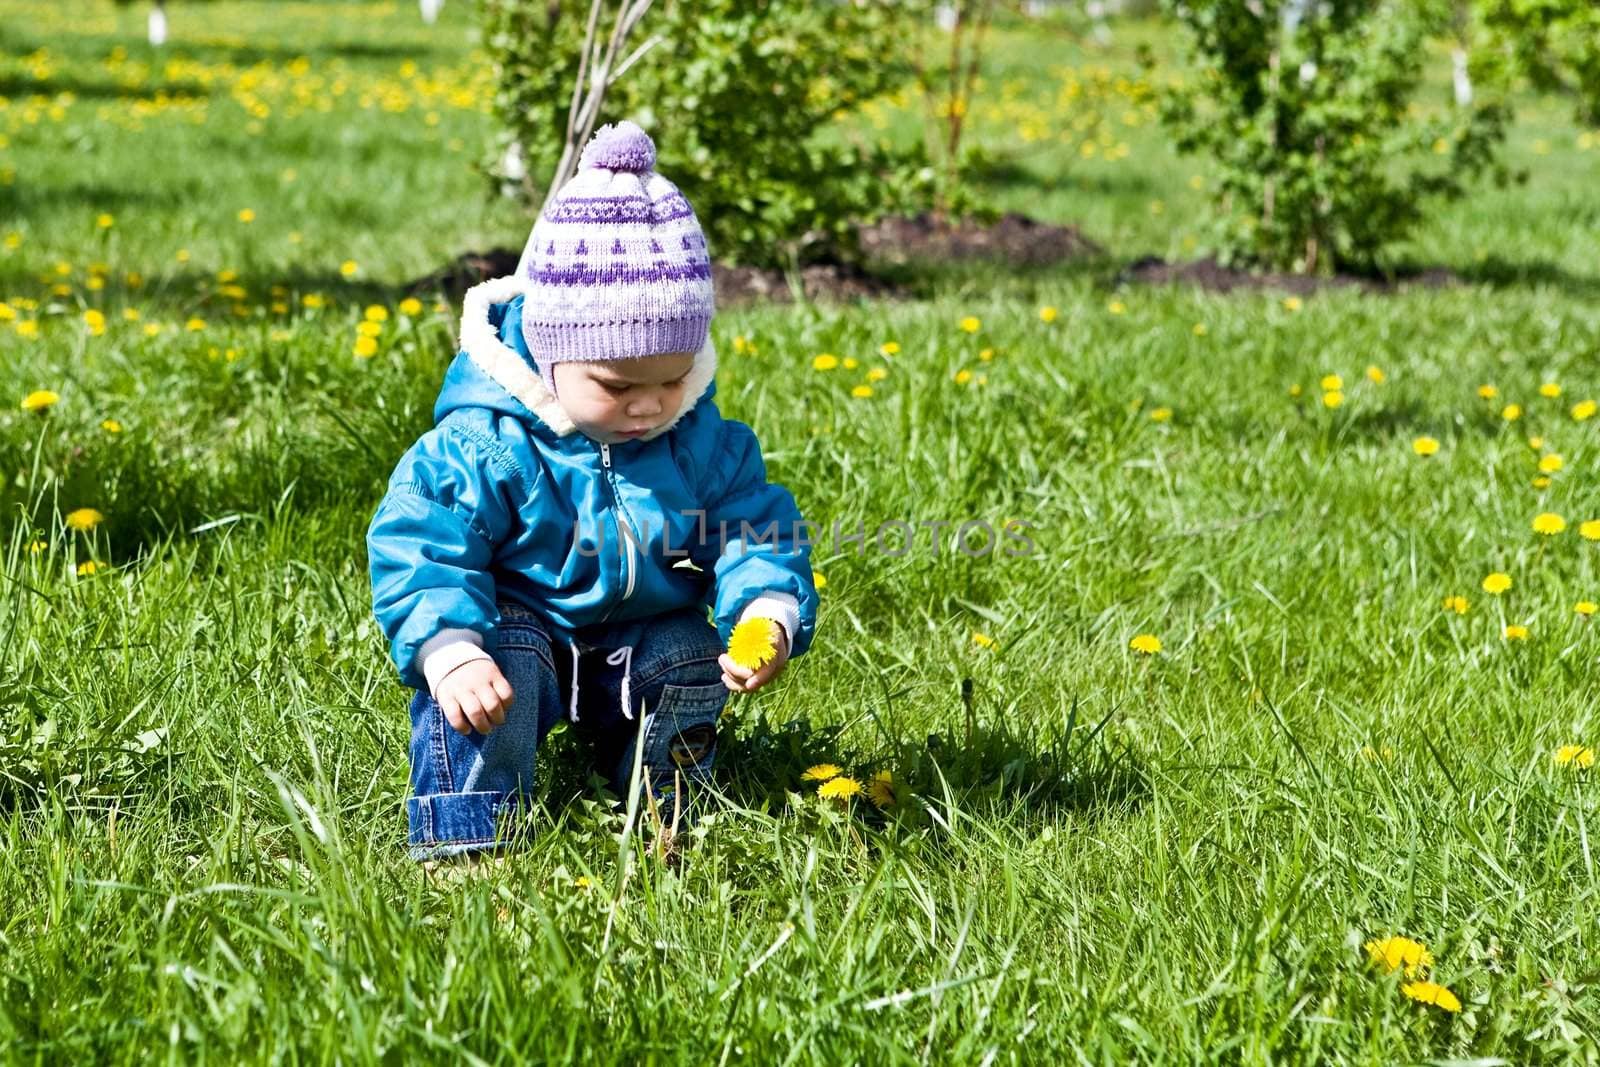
column 1097, row 855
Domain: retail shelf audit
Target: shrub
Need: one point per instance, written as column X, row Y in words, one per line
column 741, row 99
column 1308, row 107
column 1556, row 43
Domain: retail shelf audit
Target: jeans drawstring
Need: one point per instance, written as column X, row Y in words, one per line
column 624, row 656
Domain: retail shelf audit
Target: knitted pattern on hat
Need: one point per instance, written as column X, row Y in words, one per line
column 617, row 265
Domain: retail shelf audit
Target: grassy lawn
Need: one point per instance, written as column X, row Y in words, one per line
column 1094, row 852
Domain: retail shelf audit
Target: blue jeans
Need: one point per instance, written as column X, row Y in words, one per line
column 472, row 792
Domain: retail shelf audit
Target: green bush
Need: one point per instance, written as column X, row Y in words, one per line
column 1324, row 156
column 1556, row 43
column 741, row 98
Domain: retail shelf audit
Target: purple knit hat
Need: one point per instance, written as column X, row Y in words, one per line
column 617, row 266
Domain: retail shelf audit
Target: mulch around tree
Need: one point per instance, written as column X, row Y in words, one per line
column 892, row 242
column 1211, row 276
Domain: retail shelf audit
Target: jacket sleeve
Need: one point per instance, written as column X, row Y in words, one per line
column 763, row 562
column 432, row 540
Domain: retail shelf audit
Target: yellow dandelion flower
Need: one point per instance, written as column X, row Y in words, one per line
column 1457, row 604
column 87, row 568
column 105, row 221
column 1589, row 529
column 1585, row 608
column 1393, row 953
column 131, row 315
column 861, row 392
column 1579, row 756
column 824, row 361
column 880, row 789
column 1583, row 409
column 1047, row 314
column 95, row 320
column 349, row 267
column 36, row 547
column 850, row 363
column 962, row 377
column 1332, row 399
column 151, row 329
column 1551, row 463
column 889, row 348
column 986, row 355
column 1432, row 993
column 1117, row 307
column 369, row 329
column 376, row 313
column 1295, row 390
column 739, row 344
column 40, row 400
column 1488, row 392
column 1550, row 390
column 1548, row 522
column 1292, row 303
column 1511, row 412
column 195, row 325
column 84, row 519
column 1148, row 644
column 411, row 307
column 1161, row 414
column 182, row 255
column 1331, row 383
column 1542, row 482
column 314, row 300
column 27, row 328
column 877, row 374
column 1199, row 329
column 983, row 640
column 1516, row 632
column 1425, row 446
column 111, row 426
column 366, row 346
column 971, row 324
column 1496, row 583
column 752, row 643
column 822, row 772
column 7, row 312
column 246, row 216
column 840, row 788
column 1376, row 376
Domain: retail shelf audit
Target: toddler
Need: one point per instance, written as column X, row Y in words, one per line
column 551, row 547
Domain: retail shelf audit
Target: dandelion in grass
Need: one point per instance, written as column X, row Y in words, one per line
column 1161, row 414
column 152, row 329
column 1199, row 329
column 841, row 788
column 1292, row 303
column 1550, row 390
column 1332, row 400
column 95, row 321
column 111, row 426
column 983, row 640
column 818, row 580
column 962, row 377
column 349, row 268
column 1047, row 314
column 1550, row 463
column 1583, row 409
column 366, row 347
column 750, row 645
column 824, row 361
column 1331, row 383
column 986, row 355
column 889, row 348
column 970, row 324
column 1511, row 412
column 822, row 772
column 1432, row 993
column 1516, row 632
column 130, row 314
column 880, row 789
column 27, row 329
column 106, row 221
column 1394, row 953
column 739, row 344
column 1295, row 390
column 1589, row 529
column 1457, row 604
column 877, row 374
column 861, row 392
column 84, row 519
column 1578, row 757
column 1548, row 523
column 1145, row 644
column 850, row 363
column 314, row 300
column 41, row 400
column 7, row 312
column 1375, row 375
column 195, row 325
column 1488, row 392
column 246, row 216
column 1425, row 446
column 87, row 568
column 1542, row 482
column 376, row 313
column 410, row 307
column 36, row 547
column 1496, row 583
column 1585, row 608
column 369, row 329
column 1375, row 755
column 1117, row 307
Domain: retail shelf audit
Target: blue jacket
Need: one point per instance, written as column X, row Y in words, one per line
column 505, row 498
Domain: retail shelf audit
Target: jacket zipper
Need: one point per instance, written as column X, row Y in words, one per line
column 616, row 497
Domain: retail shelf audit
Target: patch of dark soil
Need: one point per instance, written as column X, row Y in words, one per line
column 1213, row 277
column 465, row 271
column 820, row 282
column 1016, row 239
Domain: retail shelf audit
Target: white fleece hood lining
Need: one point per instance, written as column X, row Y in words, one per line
column 481, row 341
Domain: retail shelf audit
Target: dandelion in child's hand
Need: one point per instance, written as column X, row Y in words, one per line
column 840, row 788
column 1148, row 644
column 1515, row 632
column 822, row 772
column 751, row 645
column 880, row 790
column 1425, row 446
column 84, row 519
column 1496, row 583
column 1432, row 993
column 1548, row 522
column 1578, row 756
column 40, row 400
column 1393, row 953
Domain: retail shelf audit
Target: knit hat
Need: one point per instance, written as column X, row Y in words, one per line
column 616, row 266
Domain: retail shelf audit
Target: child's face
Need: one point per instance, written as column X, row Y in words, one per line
column 621, row 399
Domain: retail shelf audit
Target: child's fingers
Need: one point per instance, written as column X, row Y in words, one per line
column 503, row 688
column 473, row 710
column 494, row 709
column 452, row 715
column 733, row 667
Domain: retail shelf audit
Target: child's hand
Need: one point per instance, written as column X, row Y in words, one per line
column 743, row 679
column 474, row 695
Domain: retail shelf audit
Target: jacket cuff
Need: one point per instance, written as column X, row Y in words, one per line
column 781, row 608
column 447, row 650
